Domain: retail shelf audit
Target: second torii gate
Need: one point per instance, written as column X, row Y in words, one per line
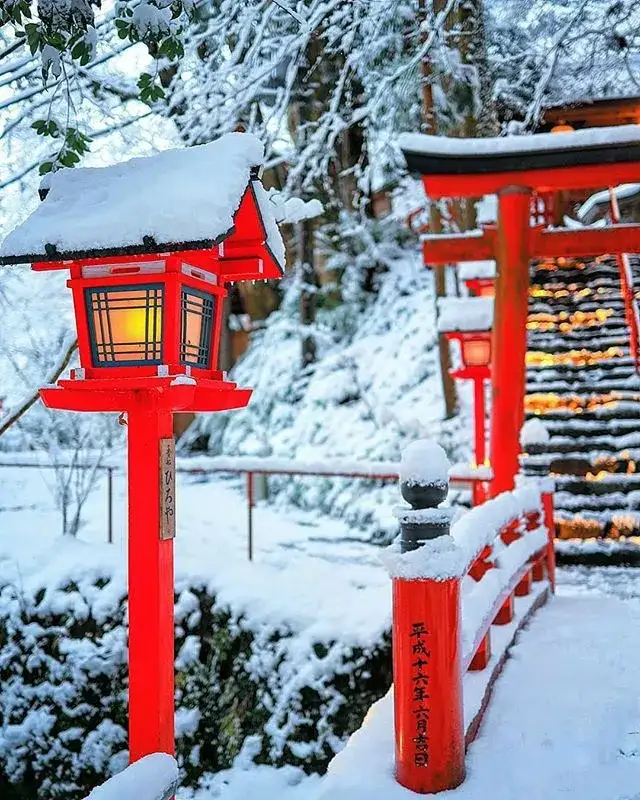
column 516, row 168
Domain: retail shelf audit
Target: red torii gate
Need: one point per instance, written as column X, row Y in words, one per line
column 516, row 168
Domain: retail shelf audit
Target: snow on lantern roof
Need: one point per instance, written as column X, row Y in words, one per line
column 465, row 314
column 474, row 270
column 440, row 155
column 182, row 199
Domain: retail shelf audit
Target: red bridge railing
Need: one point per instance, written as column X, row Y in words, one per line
column 451, row 587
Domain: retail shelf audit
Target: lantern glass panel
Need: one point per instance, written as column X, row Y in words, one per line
column 125, row 324
column 476, row 352
column 197, row 328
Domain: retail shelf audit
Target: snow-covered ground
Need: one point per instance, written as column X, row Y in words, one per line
column 563, row 714
column 308, row 571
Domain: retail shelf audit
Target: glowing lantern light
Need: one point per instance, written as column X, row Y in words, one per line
column 562, row 127
column 481, row 287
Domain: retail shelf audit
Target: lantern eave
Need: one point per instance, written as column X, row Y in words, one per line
column 118, row 395
column 43, row 262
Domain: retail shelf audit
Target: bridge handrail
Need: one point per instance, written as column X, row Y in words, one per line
column 449, row 591
column 154, row 777
column 504, row 549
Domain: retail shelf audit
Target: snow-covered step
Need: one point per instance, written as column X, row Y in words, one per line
column 589, row 427
column 611, row 483
column 577, row 503
column 573, row 387
column 606, row 442
column 591, row 374
column 605, row 413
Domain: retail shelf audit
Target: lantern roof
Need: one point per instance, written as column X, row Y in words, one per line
column 177, row 200
column 465, row 314
column 440, row 155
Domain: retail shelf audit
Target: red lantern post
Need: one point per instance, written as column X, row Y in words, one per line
column 148, row 315
column 475, row 351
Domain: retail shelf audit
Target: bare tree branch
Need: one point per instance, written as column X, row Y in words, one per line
column 26, row 404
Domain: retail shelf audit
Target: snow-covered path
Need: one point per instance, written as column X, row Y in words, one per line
column 564, row 720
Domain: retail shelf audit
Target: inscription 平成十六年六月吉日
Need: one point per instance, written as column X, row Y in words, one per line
column 419, row 692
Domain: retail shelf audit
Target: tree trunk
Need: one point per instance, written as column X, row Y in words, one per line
column 429, row 125
column 308, row 294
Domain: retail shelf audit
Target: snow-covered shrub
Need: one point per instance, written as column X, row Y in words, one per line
column 63, row 684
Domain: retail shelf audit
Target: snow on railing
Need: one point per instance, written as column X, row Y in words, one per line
column 153, row 777
column 451, row 586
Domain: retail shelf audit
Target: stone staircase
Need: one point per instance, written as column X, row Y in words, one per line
column 583, row 385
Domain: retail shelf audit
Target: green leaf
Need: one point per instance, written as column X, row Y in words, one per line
column 45, row 167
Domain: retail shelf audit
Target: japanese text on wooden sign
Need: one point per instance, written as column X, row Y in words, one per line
column 167, row 489
column 420, row 695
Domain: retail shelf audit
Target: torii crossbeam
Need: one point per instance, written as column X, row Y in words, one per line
column 516, row 168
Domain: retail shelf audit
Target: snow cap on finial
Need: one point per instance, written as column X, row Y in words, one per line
column 425, row 463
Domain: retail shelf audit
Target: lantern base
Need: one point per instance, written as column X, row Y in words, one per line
column 169, row 394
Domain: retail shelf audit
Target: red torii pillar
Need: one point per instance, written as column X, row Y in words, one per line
column 539, row 164
column 509, row 343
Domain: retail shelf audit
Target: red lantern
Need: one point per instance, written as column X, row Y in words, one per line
column 148, row 315
column 481, row 287
column 475, row 350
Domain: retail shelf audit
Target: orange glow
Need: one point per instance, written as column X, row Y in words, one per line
column 562, row 127
column 193, row 330
column 540, row 403
column 578, row 358
column 565, row 322
column 476, row 352
column 127, row 324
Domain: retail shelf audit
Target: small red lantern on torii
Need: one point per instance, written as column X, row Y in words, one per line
column 468, row 321
column 150, row 246
column 519, row 169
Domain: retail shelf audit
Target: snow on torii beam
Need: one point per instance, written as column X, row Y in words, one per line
column 514, row 168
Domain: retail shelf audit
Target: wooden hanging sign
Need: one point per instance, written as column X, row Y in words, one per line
column 167, row 489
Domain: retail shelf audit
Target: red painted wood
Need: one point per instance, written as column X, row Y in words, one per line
column 436, row 698
column 542, row 180
column 479, row 422
column 579, row 243
column 585, row 242
column 537, row 569
column 151, row 590
column 509, row 344
column 547, row 502
column 523, row 587
column 482, row 656
column 505, row 614
column 482, row 564
column 445, row 249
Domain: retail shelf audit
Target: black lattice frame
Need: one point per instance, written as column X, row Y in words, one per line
column 103, row 355
column 202, row 356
